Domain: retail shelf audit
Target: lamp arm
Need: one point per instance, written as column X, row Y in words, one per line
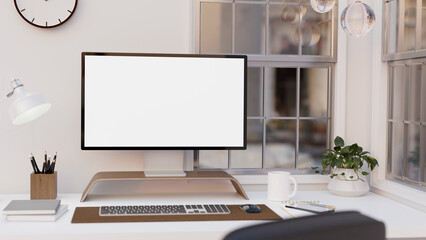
column 7, row 96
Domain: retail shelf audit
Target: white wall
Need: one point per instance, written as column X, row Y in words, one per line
column 366, row 90
column 48, row 61
column 360, row 59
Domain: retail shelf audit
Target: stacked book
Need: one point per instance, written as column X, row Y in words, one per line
column 34, row 210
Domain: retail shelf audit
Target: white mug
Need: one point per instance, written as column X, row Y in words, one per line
column 279, row 186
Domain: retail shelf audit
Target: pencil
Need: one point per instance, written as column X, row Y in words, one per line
column 35, row 163
column 287, row 211
column 52, row 166
column 44, row 163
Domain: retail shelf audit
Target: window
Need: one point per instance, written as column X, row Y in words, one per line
column 405, row 50
column 291, row 56
column 404, row 35
column 407, row 121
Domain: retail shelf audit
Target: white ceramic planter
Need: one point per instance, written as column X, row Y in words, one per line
column 346, row 185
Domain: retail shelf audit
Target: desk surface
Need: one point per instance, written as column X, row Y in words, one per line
column 401, row 221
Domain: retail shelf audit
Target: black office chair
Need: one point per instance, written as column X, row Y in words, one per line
column 334, row 226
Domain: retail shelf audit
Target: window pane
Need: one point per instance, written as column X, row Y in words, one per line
column 409, row 41
column 280, row 92
column 424, row 24
column 397, row 148
column 285, row 1
column 213, row 159
column 423, row 102
column 423, row 149
column 413, row 153
column 254, row 92
column 398, row 90
column 312, row 142
column 389, row 146
column 216, row 28
column 280, row 144
column 316, row 32
column 250, row 28
column 283, row 28
column 313, row 92
column 252, row 156
column 414, row 94
column 391, row 24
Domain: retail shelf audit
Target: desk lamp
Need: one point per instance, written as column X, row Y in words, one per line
column 27, row 106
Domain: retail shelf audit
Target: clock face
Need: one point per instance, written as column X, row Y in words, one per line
column 46, row 13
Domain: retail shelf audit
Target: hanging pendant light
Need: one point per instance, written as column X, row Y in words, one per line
column 357, row 19
column 322, row 6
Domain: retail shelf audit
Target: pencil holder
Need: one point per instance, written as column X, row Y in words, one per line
column 43, row 186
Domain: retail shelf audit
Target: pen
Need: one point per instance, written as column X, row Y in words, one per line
column 322, row 205
column 35, row 163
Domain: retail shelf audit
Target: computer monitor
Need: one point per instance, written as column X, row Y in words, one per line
column 163, row 101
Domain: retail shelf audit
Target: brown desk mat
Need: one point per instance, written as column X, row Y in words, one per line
column 91, row 215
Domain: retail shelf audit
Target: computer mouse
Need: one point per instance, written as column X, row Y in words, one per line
column 250, row 208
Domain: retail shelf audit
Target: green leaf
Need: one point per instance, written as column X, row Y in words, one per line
column 345, row 150
column 317, row 171
column 365, row 173
column 351, row 176
column 338, row 141
column 313, row 168
column 333, row 175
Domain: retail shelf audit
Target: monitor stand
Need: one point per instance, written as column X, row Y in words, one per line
column 164, row 164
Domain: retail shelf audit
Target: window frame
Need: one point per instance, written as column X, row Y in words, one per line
column 273, row 60
column 405, row 59
column 265, row 57
column 407, row 66
column 396, row 191
column 400, row 8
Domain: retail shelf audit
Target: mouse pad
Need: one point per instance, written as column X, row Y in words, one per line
column 91, row 215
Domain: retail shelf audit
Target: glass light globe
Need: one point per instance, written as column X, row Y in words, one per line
column 357, row 19
column 322, row 6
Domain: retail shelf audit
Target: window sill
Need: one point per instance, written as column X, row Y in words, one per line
column 309, row 179
column 398, row 192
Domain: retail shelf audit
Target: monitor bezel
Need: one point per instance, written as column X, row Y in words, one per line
column 83, row 147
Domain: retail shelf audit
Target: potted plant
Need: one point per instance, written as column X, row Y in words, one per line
column 344, row 163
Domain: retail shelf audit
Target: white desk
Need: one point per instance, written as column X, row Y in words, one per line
column 401, row 221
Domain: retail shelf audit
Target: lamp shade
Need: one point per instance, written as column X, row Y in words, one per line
column 27, row 106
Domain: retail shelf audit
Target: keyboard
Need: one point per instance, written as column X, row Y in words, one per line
column 142, row 210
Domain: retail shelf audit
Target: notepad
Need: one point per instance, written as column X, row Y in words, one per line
column 38, row 217
column 26, row 207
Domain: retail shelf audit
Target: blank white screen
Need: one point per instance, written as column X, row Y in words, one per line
column 140, row 101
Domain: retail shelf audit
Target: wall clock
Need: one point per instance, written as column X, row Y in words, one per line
column 46, row 13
